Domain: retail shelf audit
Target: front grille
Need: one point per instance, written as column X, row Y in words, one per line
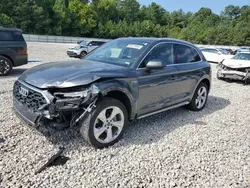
column 34, row 100
column 71, row 53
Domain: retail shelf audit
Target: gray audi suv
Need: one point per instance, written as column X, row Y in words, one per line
column 123, row 80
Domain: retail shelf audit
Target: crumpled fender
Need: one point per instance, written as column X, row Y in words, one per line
column 130, row 90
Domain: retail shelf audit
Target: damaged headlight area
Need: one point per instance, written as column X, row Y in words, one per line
column 225, row 72
column 68, row 106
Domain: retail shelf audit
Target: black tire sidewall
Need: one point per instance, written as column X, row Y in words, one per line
column 9, row 62
column 192, row 105
column 83, row 54
column 102, row 104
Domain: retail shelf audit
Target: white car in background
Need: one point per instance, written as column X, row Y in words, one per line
column 216, row 55
column 83, row 48
column 243, row 49
column 237, row 68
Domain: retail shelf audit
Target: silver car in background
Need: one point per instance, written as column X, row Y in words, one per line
column 83, row 48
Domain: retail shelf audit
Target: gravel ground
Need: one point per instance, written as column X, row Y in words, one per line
column 177, row 148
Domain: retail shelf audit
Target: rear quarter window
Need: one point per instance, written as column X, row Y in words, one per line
column 18, row 36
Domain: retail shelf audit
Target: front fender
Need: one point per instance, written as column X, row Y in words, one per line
column 130, row 89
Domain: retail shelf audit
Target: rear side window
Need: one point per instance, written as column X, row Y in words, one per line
column 185, row 54
column 18, row 36
column 6, row 36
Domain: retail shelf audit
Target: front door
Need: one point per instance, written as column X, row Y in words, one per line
column 157, row 87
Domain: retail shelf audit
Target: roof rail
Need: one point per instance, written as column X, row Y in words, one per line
column 8, row 26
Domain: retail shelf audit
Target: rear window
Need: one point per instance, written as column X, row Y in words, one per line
column 6, row 36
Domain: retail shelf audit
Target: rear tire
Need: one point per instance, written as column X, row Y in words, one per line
column 105, row 125
column 199, row 99
column 5, row 66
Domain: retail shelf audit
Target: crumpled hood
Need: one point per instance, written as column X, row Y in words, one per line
column 72, row 73
column 234, row 63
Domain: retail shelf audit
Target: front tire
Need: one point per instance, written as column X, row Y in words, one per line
column 199, row 99
column 83, row 54
column 105, row 125
column 5, row 66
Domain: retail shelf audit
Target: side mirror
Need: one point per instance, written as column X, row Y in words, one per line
column 154, row 64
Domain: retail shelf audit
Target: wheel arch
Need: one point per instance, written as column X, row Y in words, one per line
column 123, row 98
column 206, row 80
column 8, row 57
column 120, row 93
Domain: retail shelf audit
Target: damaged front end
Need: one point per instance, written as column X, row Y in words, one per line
column 225, row 72
column 58, row 108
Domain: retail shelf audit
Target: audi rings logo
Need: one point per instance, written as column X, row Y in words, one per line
column 24, row 91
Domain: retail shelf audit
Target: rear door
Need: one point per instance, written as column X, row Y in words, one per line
column 190, row 70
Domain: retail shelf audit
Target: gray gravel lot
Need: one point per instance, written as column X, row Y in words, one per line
column 178, row 148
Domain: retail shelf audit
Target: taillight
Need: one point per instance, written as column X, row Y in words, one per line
column 22, row 52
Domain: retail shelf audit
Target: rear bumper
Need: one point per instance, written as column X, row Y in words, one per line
column 21, row 60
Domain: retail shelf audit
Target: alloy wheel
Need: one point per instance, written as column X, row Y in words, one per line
column 4, row 67
column 201, row 97
column 108, row 124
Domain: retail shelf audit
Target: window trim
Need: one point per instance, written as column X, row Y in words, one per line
column 174, row 64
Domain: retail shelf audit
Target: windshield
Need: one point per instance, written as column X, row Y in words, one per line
column 120, row 52
column 242, row 56
column 83, row 43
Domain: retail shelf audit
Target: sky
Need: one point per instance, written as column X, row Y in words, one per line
column 194, row 5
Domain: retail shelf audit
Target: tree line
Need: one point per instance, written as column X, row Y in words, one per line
column 121, row 18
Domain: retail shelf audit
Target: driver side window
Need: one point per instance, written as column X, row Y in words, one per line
column 163, row 52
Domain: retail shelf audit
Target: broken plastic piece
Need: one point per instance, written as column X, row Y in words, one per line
column 54, row 160
column 88, row 109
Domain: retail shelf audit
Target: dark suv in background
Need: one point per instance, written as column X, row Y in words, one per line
column 123, row 80
column 13, row 50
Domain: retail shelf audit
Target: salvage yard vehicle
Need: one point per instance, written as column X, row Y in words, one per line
column 237, row 68
column 216, row 55
column 243, row 49
column 83, row 48
column 123, row 80
column 13, row 50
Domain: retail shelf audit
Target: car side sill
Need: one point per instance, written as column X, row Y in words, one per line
column 162, row 110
